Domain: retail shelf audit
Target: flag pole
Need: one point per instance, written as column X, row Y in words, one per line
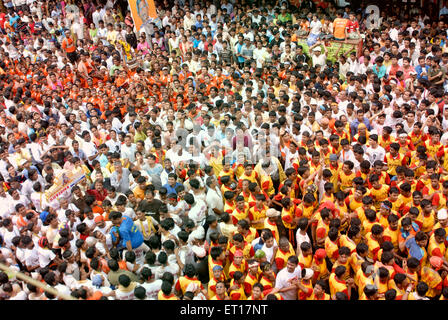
column 35, row 283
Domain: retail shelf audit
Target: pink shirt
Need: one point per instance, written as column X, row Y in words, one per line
column 406, row 72
column 143, row 47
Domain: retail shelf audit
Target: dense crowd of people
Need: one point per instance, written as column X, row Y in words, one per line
column 223, row 155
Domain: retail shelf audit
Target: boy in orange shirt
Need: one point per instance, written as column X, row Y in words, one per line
column 257, row 213
column 284, row 251
column 238, row 263
column 306, row 255
column 346, row 176
column 241, row 210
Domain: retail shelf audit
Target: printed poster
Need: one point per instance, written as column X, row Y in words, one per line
column 142, row 11
column 63, row 182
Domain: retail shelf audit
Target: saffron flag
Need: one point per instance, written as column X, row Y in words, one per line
column 142, row 11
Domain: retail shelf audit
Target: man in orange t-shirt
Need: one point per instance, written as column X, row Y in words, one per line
column 70, row 49
column 339, row 25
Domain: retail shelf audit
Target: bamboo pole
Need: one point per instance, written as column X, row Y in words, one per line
column 36, row 283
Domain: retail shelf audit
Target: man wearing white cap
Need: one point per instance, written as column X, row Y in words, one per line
column 316, row 54
column 305, row 285
column 197, row 235
column 442, row 217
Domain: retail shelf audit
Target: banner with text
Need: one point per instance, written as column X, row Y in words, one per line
column 63, row 182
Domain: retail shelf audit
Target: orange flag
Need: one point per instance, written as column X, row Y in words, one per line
column 142, row 11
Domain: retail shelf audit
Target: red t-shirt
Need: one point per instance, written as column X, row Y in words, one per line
column 352, row 26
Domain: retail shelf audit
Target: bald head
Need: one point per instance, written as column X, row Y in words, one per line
column 324, row 122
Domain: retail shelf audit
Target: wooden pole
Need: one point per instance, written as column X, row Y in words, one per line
column 36, row 283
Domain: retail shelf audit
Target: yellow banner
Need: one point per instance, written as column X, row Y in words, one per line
column 142, row 12
column 63, row 182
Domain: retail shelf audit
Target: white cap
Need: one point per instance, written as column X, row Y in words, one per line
column 198, row 234
column 317, row 48
column 442, row 214
column 271, row 212
column 91, row 241
column 308, row 273
column 198, row 251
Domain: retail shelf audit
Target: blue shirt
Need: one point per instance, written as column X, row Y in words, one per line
column 196, row 43
column 13, row 21
column 239, row 49
column 26, row 171
column 355, row 124
column 171, row 189
column 414, row 250
column 103, row 160
column 81, row 155
column 98, row 112
column 259, row 245
column 419, row 70
column 379, row 71
column 157, row 170
column 128, row 231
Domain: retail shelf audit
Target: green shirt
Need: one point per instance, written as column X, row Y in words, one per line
column 432, row 72
column 284, row 18
column 112, row 276
column 139, row 136
column 113, row 69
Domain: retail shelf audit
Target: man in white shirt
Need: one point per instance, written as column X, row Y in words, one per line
column 113, row 143
column 195, row 137
column 260, row 54
column 102, row 33
column 198, row 209
column 28, row 185
column 353, row 63
column 6, row 204
column 374, row 151
column 45, row 254
column 317, row 56
column 165, row 266
column 393, row 33
column 302, row 235
column 151, row 285
column 96, row 16
column 35, row 149
column 286, row 277
column 214, row 198
column 269, row 246
column 31, row 254
column 125, row 290
column 408, row 124
column 315, row 26
column 128, row 150
column 189, row 20
column 10, row 232
column 89, row 147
